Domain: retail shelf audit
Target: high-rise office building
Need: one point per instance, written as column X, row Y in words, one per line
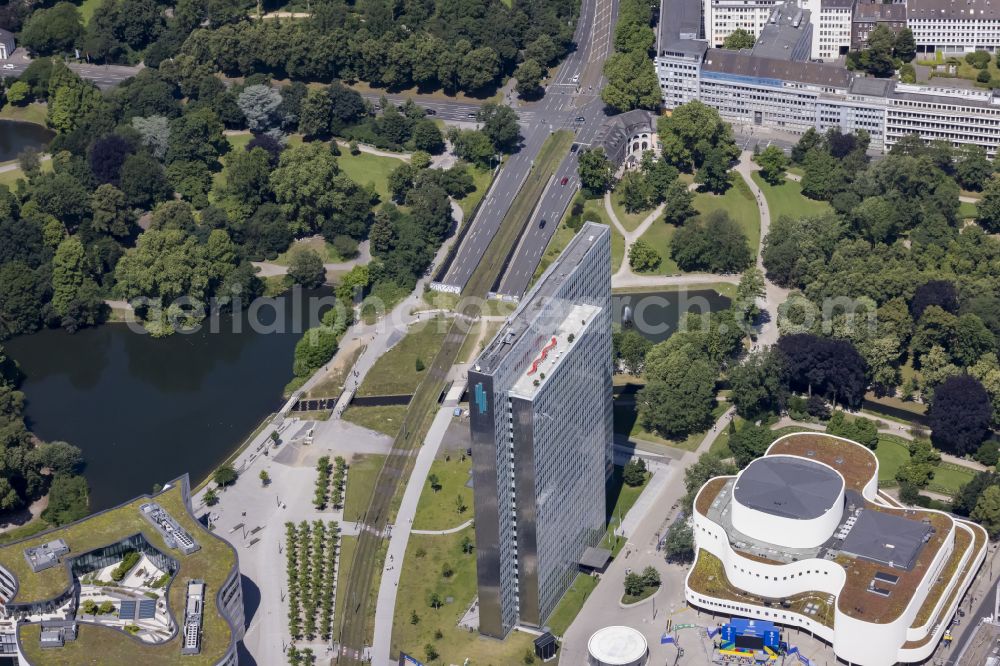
column 540, row 402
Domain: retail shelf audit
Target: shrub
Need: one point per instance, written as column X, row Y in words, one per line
column 130, row 559
column 983, row 76
column 988, row 452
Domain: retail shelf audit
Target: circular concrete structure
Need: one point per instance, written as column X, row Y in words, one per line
column 788, row 501
column 617, row 646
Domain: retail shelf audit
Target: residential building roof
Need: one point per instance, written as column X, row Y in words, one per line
column 786, row 36
column 836, row 4
column 742, row 64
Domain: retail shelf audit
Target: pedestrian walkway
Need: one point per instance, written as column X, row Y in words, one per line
column 453, row 530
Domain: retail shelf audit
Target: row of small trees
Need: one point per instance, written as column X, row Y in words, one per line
column 303, row 657
column 311, row 551
column 327, row 493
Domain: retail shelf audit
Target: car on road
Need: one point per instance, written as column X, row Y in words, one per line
column 541, row 224
column 470, row 115
column 8, row 66
column 575, row 147
column 565, row 179
column 581, row 119
column 576, row 78
column 430, row 112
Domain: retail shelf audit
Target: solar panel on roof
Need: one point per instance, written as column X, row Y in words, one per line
column 126, row 610
column 147, row 609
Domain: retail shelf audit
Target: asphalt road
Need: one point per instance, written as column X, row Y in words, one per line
column 104, row 76
column 571, row 94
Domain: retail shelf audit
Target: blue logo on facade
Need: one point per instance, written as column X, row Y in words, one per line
column 481, row 398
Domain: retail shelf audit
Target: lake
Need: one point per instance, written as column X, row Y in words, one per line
column 146, row 410
column 655, row 314
column 15, row 136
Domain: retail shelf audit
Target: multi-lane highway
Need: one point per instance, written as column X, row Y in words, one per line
column 572, row 94
column 103, row 76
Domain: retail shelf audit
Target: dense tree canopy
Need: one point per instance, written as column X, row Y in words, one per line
column 828, row 367
column 959, row 415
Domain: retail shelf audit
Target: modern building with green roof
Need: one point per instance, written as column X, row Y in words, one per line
column 149, row 537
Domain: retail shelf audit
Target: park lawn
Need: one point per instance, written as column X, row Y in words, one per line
column 630, row 221
column 949, row 478
column 87, row 8
column 421, row 577
column 720, row 447
column 482, row 179
column 659, row 236
column 317, row 244
column 333, row 383
column 626, row 422
column 967, row 211
column 787, row 199
column 618, row 500
column 385, row 419
column 361, row 474
column 10, row 178
column 348, row 544
column 35, row 112
column 892, row 453
column 367, row 169
column 593, row 211
column 395, row 373
column 437, row 509
column 739, row 202
column 569, row 606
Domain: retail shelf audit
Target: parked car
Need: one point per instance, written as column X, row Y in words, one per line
column 581, row 119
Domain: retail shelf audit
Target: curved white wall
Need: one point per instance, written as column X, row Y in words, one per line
column 788, row 532
column 853, row 640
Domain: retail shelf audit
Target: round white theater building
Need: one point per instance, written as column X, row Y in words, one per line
column 617, row 646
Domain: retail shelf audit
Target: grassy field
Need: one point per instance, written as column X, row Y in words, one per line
column 569, row 606
column 739, row 203
column 10, row 178
column 361, row 475
column 593, row 211
column 395, row 373
column 437, row 509
column 29, row 113
column 618, row 501
column 967, row 211
column 720, row 446
column 333, row 383
column 630, row 221
column 422, row 576
column 659, row 236
column 482, row 179
column 892, row 453
column 368, row 169
column 787, row 199
column 386, row 420
column 317, row 244
column 627, row 423
column 948, row 478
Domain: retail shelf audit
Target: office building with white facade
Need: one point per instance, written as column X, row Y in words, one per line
column 803, row 537
column 954, row 26
column 832, row 35
column 724, row 17
column 541, row 424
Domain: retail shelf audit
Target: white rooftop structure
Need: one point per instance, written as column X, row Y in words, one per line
column 617, row 646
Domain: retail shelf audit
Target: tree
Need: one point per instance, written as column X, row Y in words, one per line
column 678, row 203
column 642, row 257
column 876, row 58
column 773, row 164
column 434, row 482
column 143, row 181
column 716, row 244
column 596, row 172
column 709, row 465
column 714, row 172
column 631, row 82
column 959, row 415
column 59, row 457
column 196, row 136
column 634, row 585
column 905, row 46
column 473, row 146
column 315, row 114
column 259, row 103
column 500, row 126
column 692, row 131
column 634, row 192
column 751, row 287
column 830, row 367
column 480, row 67
column 304, row 185
column 858, row 429
column 682, row 405
column 749, row 442
column 529, row 75
column 630, row 349
column 434, row 600
column 650, row 577
column 759, row 385
column 55, row 30
column 988, row 208
column 941, row 293
column 429, row 650
column 634, row 473
column 18, row 93
column 679, row 542
column 987, row 511
column 973, row 169
column 225, row 476
column 305, row 268
column 739, row 39
column 211, row 497
column 154, row 134
column 68, row 274
column 264, row 477
column 427, row 137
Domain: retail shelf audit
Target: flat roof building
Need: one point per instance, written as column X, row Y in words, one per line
column 803, row 537
column 541, row 437
column 46, row 555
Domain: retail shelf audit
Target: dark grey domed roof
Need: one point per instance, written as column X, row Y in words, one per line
column 788, row 487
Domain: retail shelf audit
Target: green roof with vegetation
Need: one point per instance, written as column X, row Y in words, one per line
column 213, row 563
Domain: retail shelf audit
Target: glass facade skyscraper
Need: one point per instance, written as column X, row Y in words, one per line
column 540, row 397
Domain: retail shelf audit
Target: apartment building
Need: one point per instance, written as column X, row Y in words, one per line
column 541, row 428
column 869, row 15
column 832, row 36
column 724, row 17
